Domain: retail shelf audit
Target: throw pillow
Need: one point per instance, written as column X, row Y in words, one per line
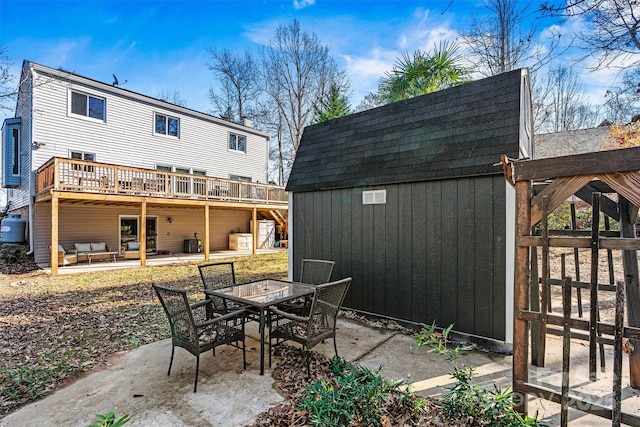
column 82, row 247
column 99, row 247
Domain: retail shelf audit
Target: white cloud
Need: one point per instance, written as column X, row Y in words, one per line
column 301, row 4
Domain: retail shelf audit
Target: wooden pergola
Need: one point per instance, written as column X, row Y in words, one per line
column 610, row 182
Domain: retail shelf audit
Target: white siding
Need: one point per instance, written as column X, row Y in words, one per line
column 127, row 138
column 19, row 196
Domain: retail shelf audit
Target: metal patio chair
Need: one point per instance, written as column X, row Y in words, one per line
column 315, row 327
column 313, row 272
column 193, row 330
column 220, row 275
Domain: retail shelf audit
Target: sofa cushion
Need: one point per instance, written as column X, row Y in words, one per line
column 133, row 246
column 82, row 247
column 61, row 249
column 99, row 247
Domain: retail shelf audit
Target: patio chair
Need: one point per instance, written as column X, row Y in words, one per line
column 313, row 272
column 66, row 256
column 220, row 275
column 194, row 331
column 315, row 327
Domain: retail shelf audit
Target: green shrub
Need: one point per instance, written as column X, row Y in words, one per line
column 491, row 407
column 355, row 396
column 439, row 341
column 109, row 420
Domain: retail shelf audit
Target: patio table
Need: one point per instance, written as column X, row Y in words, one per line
column 262, row 294
column 108, row 255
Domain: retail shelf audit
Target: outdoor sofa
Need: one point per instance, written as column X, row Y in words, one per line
column 92, row 251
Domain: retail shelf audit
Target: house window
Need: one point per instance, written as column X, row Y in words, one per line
column 15, row 160
column 237, row 142
column 167, row 125
column 88, row 157
column 240, row 178
column 88, row 106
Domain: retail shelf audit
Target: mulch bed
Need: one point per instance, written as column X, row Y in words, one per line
column 291, row 379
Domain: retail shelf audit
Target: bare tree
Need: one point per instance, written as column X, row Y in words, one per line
column 372, row 100
column 280, row 150
column 238, row 76
column 500, row 41
column 559, row 102
column 623, row 101
column 7, row 91
column 298, row 71
column 612, row 27
column 173, row 97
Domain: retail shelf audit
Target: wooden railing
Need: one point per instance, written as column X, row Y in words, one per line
column 82, row 176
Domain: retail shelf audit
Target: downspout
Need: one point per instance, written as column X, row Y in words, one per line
column 31, row 174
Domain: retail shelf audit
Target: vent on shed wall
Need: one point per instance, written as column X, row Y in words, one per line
column 374, row 197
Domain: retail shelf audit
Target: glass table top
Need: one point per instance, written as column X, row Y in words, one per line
column 264, row 292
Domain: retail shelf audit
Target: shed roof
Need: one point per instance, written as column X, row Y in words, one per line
column 456, row 132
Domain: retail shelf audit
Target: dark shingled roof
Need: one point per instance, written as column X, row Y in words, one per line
column 456, row 132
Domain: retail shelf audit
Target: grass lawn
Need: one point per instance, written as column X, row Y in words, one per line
column 55, row 327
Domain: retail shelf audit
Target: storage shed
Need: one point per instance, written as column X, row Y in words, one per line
column 407, row 199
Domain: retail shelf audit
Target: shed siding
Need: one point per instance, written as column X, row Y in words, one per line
column 433, row 252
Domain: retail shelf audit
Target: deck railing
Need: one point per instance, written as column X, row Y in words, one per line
column 82, row 176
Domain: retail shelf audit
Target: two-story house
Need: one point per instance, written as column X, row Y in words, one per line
column 87, row 161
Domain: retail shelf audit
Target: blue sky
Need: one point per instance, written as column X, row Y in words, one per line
column 161, row 45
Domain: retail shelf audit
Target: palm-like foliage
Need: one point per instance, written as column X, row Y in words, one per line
column 423, row 72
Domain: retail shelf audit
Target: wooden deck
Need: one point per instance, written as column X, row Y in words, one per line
column 62, row 174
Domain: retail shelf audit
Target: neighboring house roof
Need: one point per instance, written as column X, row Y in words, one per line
column 456, row 132
column 570, row 142
column 73, row 77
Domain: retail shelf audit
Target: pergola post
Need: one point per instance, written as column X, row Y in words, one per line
column 520, row 326
column 628, row 214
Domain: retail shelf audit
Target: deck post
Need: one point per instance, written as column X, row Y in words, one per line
column 206, row 232
column 254, row 217
column 54, row 235
column 143, row 233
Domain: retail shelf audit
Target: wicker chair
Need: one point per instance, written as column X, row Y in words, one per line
column 317, row 326
column 219, row 275
column 193, row 330
column 314, row 272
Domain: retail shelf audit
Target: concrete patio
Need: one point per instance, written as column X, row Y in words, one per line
column 137, row 383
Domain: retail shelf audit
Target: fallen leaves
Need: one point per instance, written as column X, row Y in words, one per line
column 53, row 328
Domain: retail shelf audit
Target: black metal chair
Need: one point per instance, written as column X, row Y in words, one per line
column 220, row 275
column 316, row 271
column 315, row 327
column 313, row 272
column 193, row 329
